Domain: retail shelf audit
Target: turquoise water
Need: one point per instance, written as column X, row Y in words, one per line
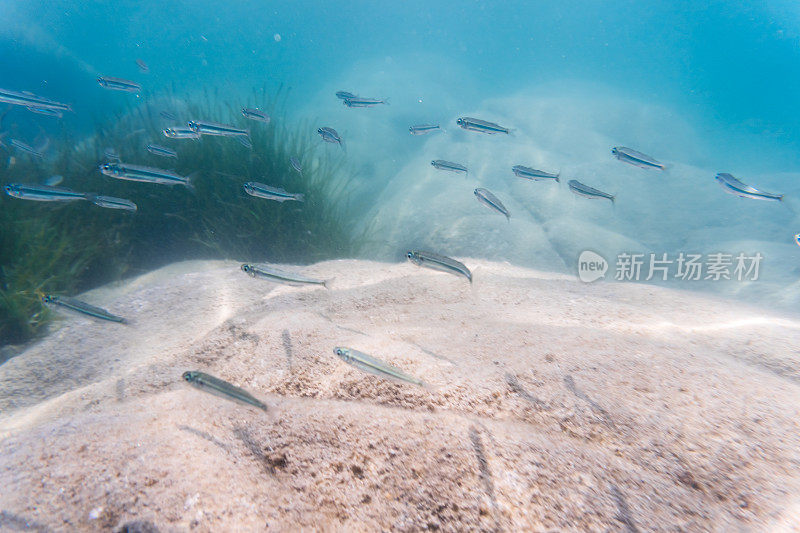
column 702, row 88
column 498, row 395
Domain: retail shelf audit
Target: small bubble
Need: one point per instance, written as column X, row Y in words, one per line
column 277, row 37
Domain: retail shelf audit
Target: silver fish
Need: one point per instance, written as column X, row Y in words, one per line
column 358, row 101
column 423, row 129
column 280, row 276
column 124, row 171
column 45, row 111
column 588, row 192
column 632, row 157
column 179, row 132
column 109, row 202
column 296, row 164
column 118, row 84
column 439, row 262
column 204, row 127
column 737, row 188
column 491, row 201
column 21, row 146
column 440, row 164
column 342, row 95
column 482, row 126
column 221, row 388
column 82, row 307
column 375, row 366
column 42, row 193
column 30, row 100
column 532, row 174
column 254, row 188
column 162, row 151
column 329, row 135
column 255, row 114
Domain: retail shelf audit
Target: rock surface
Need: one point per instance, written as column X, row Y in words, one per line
column 553, row 405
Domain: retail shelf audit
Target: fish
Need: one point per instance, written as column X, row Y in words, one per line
column 221, row 388
column 180, row 132
column 142, row 65
column 638, row 159
column 21, row 146
column 52, row 181
column 42, row 193
column 168, row 115
column 255, row 114
column 329, row 135
column 491, row 201
column 124, row 171
column 45, row 111
column 359, row 101
column 30, row 100
column 588, row 192
column 204, row 127
column 254, row 188
column 82, row 307
column 111, row 154
column 50, row 193
column 118, row 84
column 280, row 276
column 423, row 129
column 439, row 262
column 482, row 126
column 737, row 188
column 440, row 164
column 532, row 174
column 375, row 366
column 296, row 164
column 109, row 202
column 162, row 151
column 342, row 95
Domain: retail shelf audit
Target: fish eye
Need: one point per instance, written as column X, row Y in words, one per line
column 410, row 255
column 459, row 121
column 187, row 376
column 337, row 351
column 246, row 268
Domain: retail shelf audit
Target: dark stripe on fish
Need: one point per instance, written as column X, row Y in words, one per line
column 588, row 192
column 221, row 388
column 439, row 262
column 632, row 157
column 82, row 307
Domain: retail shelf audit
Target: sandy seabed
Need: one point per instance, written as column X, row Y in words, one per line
column 556, row 406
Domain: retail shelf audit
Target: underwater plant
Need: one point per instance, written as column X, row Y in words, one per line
column 50, row 247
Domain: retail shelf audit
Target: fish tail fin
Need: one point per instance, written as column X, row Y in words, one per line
column 244, row 140
column 557, row 176
column 300, row 197
column 190, row 181
column 326, row 283
column 92, row 197
column 386, row 101
column 430, row 387
column 341, row 143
